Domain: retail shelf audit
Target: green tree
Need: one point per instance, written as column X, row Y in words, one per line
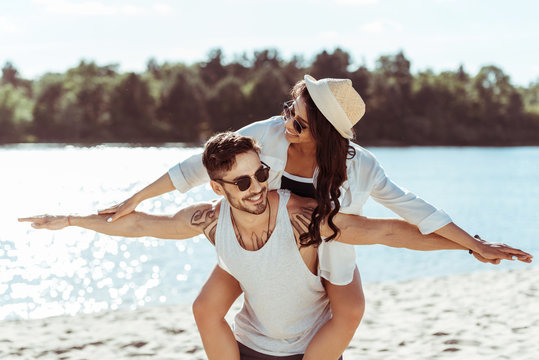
column 440, row 109
column 530, row 97
column 15, row 114
column 226, row 106
column 268, row 90
column 132, row 110
column 179, row 102
column 334, row 65
column 212, row 71
column 47, row 109
column 240, row 67
column 86, row 88
column 10, row 75
column 293, row 71
column 389, row 99
column 498, row 104
column 182, row 107
column 153, row 67
column 266, row 59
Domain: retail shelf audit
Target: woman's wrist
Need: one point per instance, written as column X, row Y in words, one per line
column 137, row 198
column 479, row 244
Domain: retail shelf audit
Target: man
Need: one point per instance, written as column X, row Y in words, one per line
column 256, row 234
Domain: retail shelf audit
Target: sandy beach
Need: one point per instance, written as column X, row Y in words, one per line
column 486, row 315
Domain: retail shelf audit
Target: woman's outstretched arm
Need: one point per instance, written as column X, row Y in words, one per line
column 158, row 187
column 190, row 172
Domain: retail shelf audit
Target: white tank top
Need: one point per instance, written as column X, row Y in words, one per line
column 284, row 302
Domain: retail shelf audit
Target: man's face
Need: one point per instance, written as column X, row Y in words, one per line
column 254, row 199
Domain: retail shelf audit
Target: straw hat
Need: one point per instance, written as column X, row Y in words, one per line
column 338, row 101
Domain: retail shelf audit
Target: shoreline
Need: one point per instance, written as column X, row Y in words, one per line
column 483, row 315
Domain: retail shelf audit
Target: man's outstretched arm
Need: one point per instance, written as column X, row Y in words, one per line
column 360, row 230
column 188, row 222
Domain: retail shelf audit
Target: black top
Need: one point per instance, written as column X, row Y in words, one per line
column 305, row 189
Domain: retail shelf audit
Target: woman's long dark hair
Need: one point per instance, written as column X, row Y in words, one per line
column 332, row 150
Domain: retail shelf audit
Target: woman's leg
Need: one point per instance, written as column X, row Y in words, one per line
column 210, row 307
column 347, row 305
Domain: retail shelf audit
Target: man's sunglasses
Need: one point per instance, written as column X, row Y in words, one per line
column 290, row 113
column 244, row 182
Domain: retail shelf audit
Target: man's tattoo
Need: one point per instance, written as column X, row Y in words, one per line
column 257, row 242
column 260, row 241
column 300, row 220
column 207, row 220
column 211, row 232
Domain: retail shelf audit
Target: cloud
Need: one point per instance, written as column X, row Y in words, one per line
column 162, row 9
column 381, row 26
column 7, row 25
column 97, row 8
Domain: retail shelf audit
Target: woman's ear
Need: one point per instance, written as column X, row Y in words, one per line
column 217, row 188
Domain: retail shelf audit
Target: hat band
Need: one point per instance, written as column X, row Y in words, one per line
column 332, row 110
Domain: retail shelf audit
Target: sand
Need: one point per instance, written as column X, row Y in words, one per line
column 487, row 315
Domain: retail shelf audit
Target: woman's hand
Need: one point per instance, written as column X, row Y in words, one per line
column 499, row 251
column 121, row 209
column 158, row 187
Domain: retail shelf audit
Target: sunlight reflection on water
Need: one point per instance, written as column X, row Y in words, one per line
column 46, row 273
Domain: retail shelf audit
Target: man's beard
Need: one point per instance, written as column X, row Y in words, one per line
column 252, row 209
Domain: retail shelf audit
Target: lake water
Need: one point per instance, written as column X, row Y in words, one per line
column 490, row 191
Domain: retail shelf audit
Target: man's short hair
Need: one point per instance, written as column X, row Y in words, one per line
column 221, row 150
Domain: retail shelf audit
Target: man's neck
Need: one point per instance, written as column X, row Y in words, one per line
column 252, row 230
column 247, row 221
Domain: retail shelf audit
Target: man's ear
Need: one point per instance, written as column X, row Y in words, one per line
column 217, row 188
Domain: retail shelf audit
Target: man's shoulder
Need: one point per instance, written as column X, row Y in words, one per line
column 206, row 212
column 205, row 216
column 296, row 203
column 300, row 210
column 214, row 204
column 297, row 206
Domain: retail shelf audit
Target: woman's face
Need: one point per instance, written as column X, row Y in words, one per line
column 298, row 115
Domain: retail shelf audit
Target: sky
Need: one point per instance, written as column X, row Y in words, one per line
column 40, row 36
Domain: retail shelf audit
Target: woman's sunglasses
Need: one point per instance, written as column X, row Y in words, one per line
column 290, row 113
column 244, row 182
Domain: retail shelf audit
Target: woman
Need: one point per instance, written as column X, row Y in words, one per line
column 312, row 147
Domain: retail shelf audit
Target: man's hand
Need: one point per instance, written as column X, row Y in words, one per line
column 49, row 222
column 485, row 260
column 121, row 209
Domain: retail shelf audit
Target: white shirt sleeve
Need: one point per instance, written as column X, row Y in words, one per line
column 189, row 173
column 405, row 203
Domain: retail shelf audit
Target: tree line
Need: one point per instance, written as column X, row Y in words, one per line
column 177, row 102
